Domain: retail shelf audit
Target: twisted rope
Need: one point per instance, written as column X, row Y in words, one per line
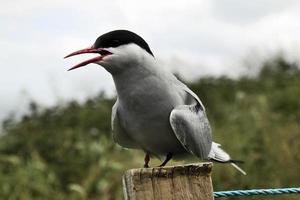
column 235, row 193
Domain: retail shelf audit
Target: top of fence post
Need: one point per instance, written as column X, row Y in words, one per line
column 181, row 182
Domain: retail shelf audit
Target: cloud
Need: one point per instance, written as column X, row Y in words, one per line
column 244, row 12
column 193, row 37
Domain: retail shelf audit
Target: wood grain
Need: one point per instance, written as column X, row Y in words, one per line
column 181, row 182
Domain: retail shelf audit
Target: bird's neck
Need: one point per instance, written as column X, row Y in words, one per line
column 132, row 78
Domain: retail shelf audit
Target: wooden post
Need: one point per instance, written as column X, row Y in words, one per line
column 182, row 182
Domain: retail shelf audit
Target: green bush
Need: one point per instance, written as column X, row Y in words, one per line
column 67, row 152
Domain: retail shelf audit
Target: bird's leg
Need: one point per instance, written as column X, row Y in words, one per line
column 147, row 159
column 168, row 158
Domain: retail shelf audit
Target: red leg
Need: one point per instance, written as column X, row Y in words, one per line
column 147, row 160
column 168, row 158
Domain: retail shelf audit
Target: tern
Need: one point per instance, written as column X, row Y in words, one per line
column 154, row 111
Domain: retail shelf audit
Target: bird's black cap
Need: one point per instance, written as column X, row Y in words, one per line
column 120, row 37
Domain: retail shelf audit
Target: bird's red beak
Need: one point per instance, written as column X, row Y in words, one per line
column 103, row 53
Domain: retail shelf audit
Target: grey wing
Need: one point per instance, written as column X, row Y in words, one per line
column 119, row 134
column 191, row 127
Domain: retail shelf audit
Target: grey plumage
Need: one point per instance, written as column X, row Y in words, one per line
column 190, row 123
column 154, row 111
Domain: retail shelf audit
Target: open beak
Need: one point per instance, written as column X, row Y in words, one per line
column 103, row 53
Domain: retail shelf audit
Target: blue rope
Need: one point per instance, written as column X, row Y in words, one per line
column 235, row 193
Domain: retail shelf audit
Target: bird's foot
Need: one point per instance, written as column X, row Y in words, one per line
column 147, row 160
column 168, row 158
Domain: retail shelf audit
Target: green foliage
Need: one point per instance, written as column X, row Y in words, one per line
column 67, row 152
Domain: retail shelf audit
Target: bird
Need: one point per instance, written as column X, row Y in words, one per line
column 154, row 111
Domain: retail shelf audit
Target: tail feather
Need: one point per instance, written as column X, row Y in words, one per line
column 219, row 155
column 238, row 168
column 237, row 161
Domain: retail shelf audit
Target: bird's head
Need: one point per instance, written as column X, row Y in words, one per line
column 117, row 49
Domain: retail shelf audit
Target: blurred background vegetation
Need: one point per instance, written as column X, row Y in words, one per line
column 66, row 151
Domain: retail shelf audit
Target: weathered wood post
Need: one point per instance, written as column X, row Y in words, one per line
column 184, row 182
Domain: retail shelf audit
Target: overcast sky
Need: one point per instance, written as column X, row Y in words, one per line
column 195, row 37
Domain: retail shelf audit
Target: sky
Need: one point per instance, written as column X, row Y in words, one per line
column 193, row 38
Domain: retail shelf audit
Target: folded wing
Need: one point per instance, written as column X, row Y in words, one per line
column 191, row 127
